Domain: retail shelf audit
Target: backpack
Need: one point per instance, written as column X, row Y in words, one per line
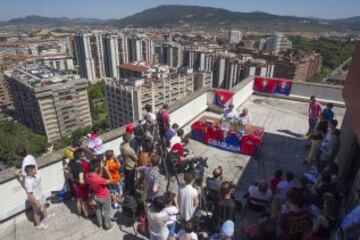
column 130, row 206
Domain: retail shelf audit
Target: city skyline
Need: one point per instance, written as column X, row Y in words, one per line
column 116, row 9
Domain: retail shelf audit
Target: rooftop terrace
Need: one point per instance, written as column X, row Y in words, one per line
column 38, row 75
column 284, row 120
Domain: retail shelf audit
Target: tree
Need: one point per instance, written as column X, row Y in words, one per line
column 334, row 52
column 13, row 136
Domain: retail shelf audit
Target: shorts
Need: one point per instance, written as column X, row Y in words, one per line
column 116, row 188
column 37, row 209
column 81, row 191
column 172, row 229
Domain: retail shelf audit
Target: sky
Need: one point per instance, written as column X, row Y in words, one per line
column 106, row 9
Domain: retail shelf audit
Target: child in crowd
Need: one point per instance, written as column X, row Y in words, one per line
column 113, row 166
column 172, row 209
column 188, row 232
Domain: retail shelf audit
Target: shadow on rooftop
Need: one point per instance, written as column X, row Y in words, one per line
column 277, row 152
column 130, row 236
column 291, row 133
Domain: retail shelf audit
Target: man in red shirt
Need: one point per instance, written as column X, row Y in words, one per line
column 314, row 113
column 99, row 186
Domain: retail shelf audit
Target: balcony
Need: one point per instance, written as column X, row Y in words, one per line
column 284, row 119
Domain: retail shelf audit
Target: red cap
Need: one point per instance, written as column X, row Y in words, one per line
column 130, row 128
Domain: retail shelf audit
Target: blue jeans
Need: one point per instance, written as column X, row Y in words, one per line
column 172, row 229
column 321, row 164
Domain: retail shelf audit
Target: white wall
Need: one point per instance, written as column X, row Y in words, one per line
column 190, row 110
column 242, row 94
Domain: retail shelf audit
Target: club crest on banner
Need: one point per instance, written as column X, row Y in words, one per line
column 223, row 98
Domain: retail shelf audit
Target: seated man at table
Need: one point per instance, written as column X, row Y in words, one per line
column 230, row 112
column 245, row 117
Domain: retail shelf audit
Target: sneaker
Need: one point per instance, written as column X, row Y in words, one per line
column 50, row 216
column 42, row 226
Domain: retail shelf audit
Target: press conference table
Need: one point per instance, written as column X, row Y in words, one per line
column 246, row 139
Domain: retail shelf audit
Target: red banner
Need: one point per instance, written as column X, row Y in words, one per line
column 273, row 85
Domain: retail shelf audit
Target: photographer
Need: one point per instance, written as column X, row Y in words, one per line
column 213, row 185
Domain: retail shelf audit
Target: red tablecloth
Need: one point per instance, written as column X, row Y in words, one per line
column 212, row 134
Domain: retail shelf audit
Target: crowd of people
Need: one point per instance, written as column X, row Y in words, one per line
column 287, row 208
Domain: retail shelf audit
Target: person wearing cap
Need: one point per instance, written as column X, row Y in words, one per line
column 226, row 231
column 130, row 129
column 230, row 112
column 130, row 159
column 328, row 112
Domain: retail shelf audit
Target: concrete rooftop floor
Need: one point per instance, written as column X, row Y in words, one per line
column 284, row 148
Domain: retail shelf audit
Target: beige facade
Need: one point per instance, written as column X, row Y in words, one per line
column 50, row 107
column 5, row 100
column 127, row 98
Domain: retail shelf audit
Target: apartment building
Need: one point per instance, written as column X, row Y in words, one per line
column 90, row 55
column 235, row 36
column 58, row 61
column 170, row 54
column 228, row 69
column 203, row 80
column 5, row 100
column 140, row 48
column 127, row 97
column 297, row 65
column 49, row 102
column 277, row 43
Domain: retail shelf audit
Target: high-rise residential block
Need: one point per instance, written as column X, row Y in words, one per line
column 90, row 55
column 5, row 100
column 300, row 66
column 235, row 36
column 127, row 97
column 140, row 48
column 49, row 102
column 170, row 54
column 277, row 43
